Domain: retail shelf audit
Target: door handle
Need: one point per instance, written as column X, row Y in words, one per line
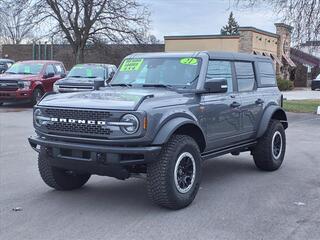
column 235, row 105
column 259, row 101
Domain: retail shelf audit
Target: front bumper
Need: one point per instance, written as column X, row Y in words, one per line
column 9, row 96
column 94, row 159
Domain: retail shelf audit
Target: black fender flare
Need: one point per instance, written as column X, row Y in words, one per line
column 271, row 112
column 170, row 127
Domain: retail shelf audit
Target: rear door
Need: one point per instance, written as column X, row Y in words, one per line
column 221, row 110
column 252, row 101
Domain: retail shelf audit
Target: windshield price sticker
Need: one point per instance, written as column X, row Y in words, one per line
column 27, row 69
column 131, row 65
column 89, row 72
column 189, row 61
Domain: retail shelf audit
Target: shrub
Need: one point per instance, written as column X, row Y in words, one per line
column 284, row 85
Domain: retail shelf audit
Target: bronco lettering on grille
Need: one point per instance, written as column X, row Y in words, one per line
column 80, row 121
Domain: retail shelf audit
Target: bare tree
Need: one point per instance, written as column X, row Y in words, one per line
column 303, row 15
column 83, row 21
column 18, row 20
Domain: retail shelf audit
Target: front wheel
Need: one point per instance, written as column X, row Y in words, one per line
column 60, row 179
column 36, row 96
column 174, row 180
column 269, row 153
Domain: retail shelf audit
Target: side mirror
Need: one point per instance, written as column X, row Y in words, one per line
column 48, row 75
column 63, row 75
column 216, row 85
column 98, row 84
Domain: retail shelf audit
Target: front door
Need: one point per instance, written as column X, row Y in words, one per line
column 222, row 111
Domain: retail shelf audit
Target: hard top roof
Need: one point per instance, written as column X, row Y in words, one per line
column 211, row 54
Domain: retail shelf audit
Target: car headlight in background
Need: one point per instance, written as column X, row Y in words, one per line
column 24, row 85
column 129, row 124
column 55, row 88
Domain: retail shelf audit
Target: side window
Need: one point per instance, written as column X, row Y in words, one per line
column 267, row 76
column 220, row 69
column 50, row 69
column 59, row 69
column 245, row 76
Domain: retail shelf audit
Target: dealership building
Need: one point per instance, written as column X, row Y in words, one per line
column 249, row 40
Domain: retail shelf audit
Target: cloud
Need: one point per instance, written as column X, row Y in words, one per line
column 188, row 17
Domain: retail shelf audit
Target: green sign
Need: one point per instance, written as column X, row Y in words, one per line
column 131, row 65
column 189, row 61
column 89, row 72
column 27, row 69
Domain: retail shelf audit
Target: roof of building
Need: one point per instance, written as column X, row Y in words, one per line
column 215, row 36
column 301, row 57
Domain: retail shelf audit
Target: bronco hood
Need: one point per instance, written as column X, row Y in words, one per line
column 115, row 98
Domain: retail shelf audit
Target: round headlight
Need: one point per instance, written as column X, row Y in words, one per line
column 132, row 124
column 37, row 117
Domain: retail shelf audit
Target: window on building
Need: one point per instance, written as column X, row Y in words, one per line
column 245, row 76
column 221, row 69
column 267, row 76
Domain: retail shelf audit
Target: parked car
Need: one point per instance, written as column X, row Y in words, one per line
column 160, row 117
column 29, row 80
column 315, row 84
column 85, row 77
column 5, row 64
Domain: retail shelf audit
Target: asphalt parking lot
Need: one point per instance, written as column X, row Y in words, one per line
column 236, row 201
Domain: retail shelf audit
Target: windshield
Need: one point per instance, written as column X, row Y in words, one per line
column 25, row 68
column 176, row 72
column 86, row 71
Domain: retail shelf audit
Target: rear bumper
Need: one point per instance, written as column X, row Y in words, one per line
column 95, row 159
column 11, row 96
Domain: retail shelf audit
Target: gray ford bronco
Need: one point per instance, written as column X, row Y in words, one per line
column 160, row 117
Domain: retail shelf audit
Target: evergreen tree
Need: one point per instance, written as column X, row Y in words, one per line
column 231, row 28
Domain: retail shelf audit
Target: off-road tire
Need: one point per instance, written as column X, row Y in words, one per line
column 263, row 152
column 60, row 179
column 36, row 95
column 161, row 184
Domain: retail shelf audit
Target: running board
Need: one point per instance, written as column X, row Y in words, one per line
column 219, row 152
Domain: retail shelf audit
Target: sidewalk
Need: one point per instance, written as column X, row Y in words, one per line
column 301, row 93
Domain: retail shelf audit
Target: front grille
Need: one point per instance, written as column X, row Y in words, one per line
column 7, row 85
column 79, row 129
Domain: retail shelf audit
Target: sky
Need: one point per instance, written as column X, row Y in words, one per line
column 192, row 17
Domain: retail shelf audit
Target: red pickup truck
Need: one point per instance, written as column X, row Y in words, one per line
column 29, row 80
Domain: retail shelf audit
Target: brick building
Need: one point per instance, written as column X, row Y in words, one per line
column 249, row 40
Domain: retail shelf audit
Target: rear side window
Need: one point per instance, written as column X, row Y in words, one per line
column 50, row 69
column 59, row 68
column 245, row 76
column 267, row 76
column 220, row 69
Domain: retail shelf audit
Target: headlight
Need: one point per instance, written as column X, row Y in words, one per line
column 130, row 124
column 56, row 88
column 24, row 85
column 39, row 119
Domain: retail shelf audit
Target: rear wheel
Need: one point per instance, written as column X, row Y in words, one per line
column 60, row 179
column 269, row 153
column 36, row 96
column 174, row 180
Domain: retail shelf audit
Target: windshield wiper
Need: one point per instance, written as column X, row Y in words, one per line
column 158, row 85
column 24, row 73
column 76, row 76
column 11, row 72
column 121, row 84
